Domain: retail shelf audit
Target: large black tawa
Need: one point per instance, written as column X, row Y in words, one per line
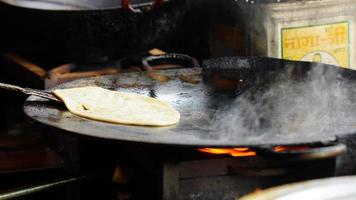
column 197, row 103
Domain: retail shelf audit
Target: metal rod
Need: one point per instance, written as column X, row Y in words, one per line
column 19, row 192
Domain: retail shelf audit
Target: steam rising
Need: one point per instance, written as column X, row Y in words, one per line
column 321, row 103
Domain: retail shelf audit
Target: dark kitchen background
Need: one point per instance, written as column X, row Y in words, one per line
column 38, row 37
column 50, row 38
column 46, row 43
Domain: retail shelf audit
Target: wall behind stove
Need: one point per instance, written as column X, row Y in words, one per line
column 184, row 26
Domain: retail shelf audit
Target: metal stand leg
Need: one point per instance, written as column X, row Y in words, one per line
column 170, row 181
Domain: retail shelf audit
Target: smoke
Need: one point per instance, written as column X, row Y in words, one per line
column 322, row 102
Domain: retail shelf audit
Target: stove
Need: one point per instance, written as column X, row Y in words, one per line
column 162, row 172
column 229, row 177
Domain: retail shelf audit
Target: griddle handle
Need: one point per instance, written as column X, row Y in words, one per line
column 168, row 57
column 126, row 5
column 321, row 152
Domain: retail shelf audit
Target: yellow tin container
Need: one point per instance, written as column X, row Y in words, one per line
column 308, row 30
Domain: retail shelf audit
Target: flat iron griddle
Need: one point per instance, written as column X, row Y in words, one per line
column 197, row 103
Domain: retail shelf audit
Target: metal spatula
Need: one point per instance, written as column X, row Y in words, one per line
column 30, row 91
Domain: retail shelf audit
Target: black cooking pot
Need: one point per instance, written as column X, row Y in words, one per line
column 90, row 31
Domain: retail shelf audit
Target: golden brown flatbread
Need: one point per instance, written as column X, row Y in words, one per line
column 117, row 107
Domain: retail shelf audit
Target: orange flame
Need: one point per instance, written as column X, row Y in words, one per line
column 289, row 148
column 243, row 152
column 235, row 152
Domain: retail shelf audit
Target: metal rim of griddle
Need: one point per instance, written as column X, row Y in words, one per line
column 189, row 133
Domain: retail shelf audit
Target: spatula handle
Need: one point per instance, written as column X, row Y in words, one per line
column 29, row 91
column 12, row 87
